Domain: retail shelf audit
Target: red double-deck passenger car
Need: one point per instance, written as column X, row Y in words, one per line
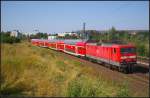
column 75, row 47
column 60, row 45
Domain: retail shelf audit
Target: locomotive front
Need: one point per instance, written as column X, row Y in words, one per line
column 128, row 57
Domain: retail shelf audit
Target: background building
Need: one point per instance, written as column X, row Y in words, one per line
column 50, row 37
column 14, row 33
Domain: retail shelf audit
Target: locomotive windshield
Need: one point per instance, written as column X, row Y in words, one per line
column 128, row 50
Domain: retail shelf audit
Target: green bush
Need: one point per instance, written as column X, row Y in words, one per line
column 74, row 89
column 141, row 50
column 84, row 86
column 6, row 38
column 123, row 91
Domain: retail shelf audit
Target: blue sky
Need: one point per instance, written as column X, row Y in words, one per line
column 65, row 16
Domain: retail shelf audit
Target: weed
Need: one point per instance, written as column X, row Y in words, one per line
column 61, row 65
column 85, row 86
column 123, row 91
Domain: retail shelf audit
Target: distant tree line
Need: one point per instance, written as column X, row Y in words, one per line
column 39, row 35
column 7, row 38
column 67, row 36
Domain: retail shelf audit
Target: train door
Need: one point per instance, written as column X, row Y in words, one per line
column 114, row 54
column 110, row 54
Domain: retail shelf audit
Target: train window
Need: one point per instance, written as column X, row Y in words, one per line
column 114, row 50
column 128, row 50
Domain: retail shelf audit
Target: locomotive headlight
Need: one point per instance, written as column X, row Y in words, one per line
column 132, row 57
column 123, row 57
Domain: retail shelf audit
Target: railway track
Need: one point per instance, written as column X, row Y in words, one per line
column 140, row 78
column 143, row 61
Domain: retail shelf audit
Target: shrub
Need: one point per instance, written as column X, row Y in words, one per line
column 123, row 91
column 84, row 86
column 141, row 50
column 6, row 38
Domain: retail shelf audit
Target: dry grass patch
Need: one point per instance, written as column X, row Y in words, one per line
column 35, row 71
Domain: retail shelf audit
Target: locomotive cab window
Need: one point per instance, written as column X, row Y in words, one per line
column 128, row 50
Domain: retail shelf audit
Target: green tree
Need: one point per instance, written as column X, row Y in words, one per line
column 141, row 50
column 6, row 38
column 113, row 34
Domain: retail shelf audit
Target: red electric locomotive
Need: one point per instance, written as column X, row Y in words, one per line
column 122, row 56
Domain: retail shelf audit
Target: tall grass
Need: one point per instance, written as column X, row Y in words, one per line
column 89, row 87
column 34, row 71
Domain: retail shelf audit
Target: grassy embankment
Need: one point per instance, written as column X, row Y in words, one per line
column 35, row 71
